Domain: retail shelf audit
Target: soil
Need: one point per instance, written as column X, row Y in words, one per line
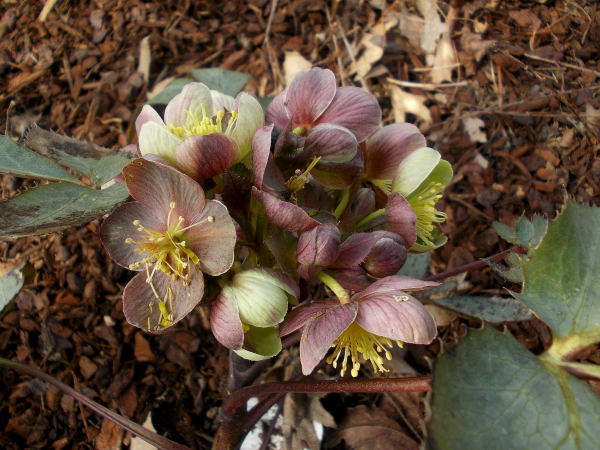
column 535, row 89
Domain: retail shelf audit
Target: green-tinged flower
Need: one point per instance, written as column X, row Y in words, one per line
column 420, row 179
column 246, row 314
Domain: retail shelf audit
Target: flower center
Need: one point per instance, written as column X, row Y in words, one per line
column 199, row 123
column 299, row 179
column 355, row 340
column 423, row 205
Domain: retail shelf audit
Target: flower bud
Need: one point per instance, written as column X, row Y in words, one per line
column 386, row 257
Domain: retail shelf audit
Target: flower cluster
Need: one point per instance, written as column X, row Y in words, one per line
column 301, row 217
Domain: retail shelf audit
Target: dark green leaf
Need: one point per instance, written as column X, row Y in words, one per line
column 491, row 309
column 226, row 81
column 265, row 101
column 511, row 270
column 170, row 91
column 416, row 265
column 20, row 161
column 490, row 392
column 562, row 276
column 96, row 163
column 53, row 207
column 527, row 233
column 11, row 282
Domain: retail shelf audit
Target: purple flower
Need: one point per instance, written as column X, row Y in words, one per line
column 172, row 235
column 365, row 327
column 203, row 132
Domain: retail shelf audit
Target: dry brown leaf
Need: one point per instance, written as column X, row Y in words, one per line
column 433, row 27
column 442, row 316
column 137, row 443
column 364, row 428
column 142, row 350
column 293, row 64
column 473, row 44
column 110, row 436
column 300, row 411
column 444, row 60
column 525, row 18
column 404, row 102
column 411, row 27
column 373, row 44
column 145, row 58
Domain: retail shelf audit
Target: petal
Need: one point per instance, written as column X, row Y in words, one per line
column 204, row 156
column 139, row 295
column 298, row 316
column 402, row 318
column 277, row 113
column 391, row 285
column 154, row 139
column 250, row 117
column 260, row 299
column 414, row 169
column 336, row 175
column 147, row 114
column 225, row 320
column 261, row 151
column 283, row 214
column 319, row 246
column 119, row 226
column 388, row 147
column 221, row 101
column 213, row 240
column 362, row 205
column 156, row 186
column 309, row 95
column 260, row 343
column 193, row 96
column 387, row 256
column 355, row 250
column 354, row 279
column 401, row 219
column 330, row 142
column 320, row 333
column 354, row 109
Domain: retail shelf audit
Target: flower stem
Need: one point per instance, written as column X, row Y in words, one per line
column 365, row 220
column 335, row 287
column 341, row 207
column 147, row 435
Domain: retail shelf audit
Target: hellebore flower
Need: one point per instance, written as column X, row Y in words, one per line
column 245, row 315
column 203, row 133
column 365, row 327
column 420, row 179
column 320, row 126
column 172, row 235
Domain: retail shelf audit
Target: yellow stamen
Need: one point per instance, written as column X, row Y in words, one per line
column 296, row 182
column 355, row 340
column 199, row 123
column 423, row 205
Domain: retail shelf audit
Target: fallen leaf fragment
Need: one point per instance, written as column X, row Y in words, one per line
column 474, row 127
column 293, row 64
column 404, row 102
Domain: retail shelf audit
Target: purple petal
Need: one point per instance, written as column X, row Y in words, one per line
column 388, row 147
column 393, row 284
column 261, row 151
column 319, row 246
column 283, row 214
column 156, row 186
column 355, row 250
column 119, row 226
column 204, row 156
column 399, row 317
column 362, row 205
column 277, row 112
column 353, row 279
column 192, row 97
column 213, row 240
column 336, row 175
column 138, row 295
column 330, row 142
column 147, row 114
column 309, row 95
column 354, row 109
column 225, row 321
column 387, row 256
column 298, row 316
column 401, row 219
column 320, row 333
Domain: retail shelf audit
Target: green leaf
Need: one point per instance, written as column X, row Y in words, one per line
column 512, row 270
column 53, row 207
column 527, row 233
column 491, row 392
column 170, row 91
column 416, row 265
column 491, row 309
column 562, row 277
column 20, row 161
column 96, row 163
column 11, row 282
column 228, row 82
column 265, row 101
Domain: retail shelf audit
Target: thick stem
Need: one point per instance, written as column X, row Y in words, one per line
column 365, row 220
column 341, row 207
column 149, row 436
column 336, row 287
